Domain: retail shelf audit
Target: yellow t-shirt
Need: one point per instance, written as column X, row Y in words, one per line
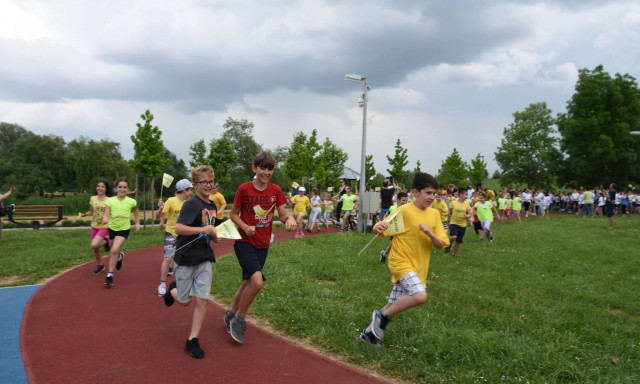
column 411, row 249
column 441, row 207
column 300, row 204
column 218, row 200
column 458, row 211
column 98, row 212
column 171, row 209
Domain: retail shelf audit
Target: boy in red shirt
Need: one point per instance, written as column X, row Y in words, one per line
column 252, row 212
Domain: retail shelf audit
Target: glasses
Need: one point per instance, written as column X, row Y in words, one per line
column 206, row 182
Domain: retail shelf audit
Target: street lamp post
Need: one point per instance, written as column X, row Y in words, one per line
column 361, row 79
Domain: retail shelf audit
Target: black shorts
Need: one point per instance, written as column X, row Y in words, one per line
column 457, row 231
column 526, row 205
column 113, row 234
column 610, row 209
column 250, row 258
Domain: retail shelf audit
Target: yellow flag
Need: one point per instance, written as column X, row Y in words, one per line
column 228, row 230
column 396, row 223
column 167, row 179
column 377, row 189
column 329, row 189
column 295, row 185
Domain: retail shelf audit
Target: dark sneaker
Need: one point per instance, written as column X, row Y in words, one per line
column 448, row 249
column 368, row 338
column 383, row 257
column 168, row 297
column 193, row 348
column 308, row 230
column 227, row 320
column 170, row 273
column 99, row 269
column 109, row 281
column 120, row 260
column 378, row 324
column 238, row 327
column 106, row 246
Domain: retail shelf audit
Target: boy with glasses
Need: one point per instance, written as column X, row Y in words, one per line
column 193, row 254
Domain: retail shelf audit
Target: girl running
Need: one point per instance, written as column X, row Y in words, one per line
column 99, row 231
column 117, row 214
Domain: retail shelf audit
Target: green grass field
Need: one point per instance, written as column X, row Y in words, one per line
column 551, row 301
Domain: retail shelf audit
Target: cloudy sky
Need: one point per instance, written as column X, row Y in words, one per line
column 444, row 74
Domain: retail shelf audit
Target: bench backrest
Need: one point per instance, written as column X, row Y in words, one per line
column 36, row 210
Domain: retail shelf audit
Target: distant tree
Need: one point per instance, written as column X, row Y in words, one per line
column 198, row 153
column 398, row 163
column 453, row 170
column 222, row 157
column 528, row 153
column 478, row 170
column 9, row 136
column 417, row 168
column 595, row 130
column 496, row 174
column 330, row 164
column 88, row 160
column 295, row 163
column 240, row 133
column 370, row 169
column 149, row 156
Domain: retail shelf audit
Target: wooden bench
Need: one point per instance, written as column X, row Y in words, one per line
column 49, row 214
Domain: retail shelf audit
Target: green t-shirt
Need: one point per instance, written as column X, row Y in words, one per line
column 120, row 218
column 588, row 197
column 484, row 211
column 517, row 203
column 347, row 202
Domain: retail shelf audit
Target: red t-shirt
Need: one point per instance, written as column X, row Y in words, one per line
column 257, row 209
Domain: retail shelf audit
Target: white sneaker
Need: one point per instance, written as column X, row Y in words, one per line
column 162, row 289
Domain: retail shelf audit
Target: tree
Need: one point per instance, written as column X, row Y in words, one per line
column 198, row 153
column 88, row 160
column 222, row 157
column 478, row 170
column 39, row 163
column 295, row 162
column 370, row 169
column 595, row 130
column 528, row 150
column 397, row 163
column 176, row 168
column 240, row 133
column 453, row 170
column 148, row 158
column 9, row 136
column 330, row 164
column 417, row 168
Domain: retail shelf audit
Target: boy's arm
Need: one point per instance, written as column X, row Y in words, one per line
column 288, row 220
column 435, row 240
column 159, row 214
column 136, row 217
column 186, row 230
column 106, row 214
column 234, row 215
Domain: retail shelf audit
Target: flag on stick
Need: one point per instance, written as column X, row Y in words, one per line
column 228, row 230
column 396, row 223
column 167, row 179
column 295, row 185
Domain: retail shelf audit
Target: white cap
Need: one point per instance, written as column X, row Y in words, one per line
column 302, row 189
column 183, row 184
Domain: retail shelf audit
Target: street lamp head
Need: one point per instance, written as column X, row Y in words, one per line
column 356, row 78
column 635, row 133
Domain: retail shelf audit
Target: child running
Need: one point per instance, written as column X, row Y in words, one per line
column 99, row 231
column 316, row 211
column 349, row 204
column 328, row 209
column 300, row 202
column 117, row 214
column 193, row 254
column 459, row 214
column 483, row 209
column 171, row 209
column 517, row 206
column 410, row 256
column 253, row 211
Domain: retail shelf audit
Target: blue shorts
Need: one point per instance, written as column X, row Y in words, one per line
column 457, row 231
column 250, row 258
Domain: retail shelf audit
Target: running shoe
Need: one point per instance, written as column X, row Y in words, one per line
column 193, row 348
column 238, row 326
column 99, row 269
column 383, row 257
column 109, row 281
column 378, row 324
column 368, row 338
column 168, row 297
column 120, row 260
column 162, row 289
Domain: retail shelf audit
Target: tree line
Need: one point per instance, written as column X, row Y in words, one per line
column 589, row 144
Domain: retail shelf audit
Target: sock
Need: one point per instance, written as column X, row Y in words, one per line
column 110, row 274
column 229, row 314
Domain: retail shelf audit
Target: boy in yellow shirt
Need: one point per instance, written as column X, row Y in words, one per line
column 410, row 255
column 459, row 214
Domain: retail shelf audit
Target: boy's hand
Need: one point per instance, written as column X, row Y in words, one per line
column 160, row 204
column 290, row 225
column 137, row 227
column 380, row 227
column 425, row 228
column 250, row 231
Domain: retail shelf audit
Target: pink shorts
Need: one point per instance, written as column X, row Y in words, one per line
column 102, row 232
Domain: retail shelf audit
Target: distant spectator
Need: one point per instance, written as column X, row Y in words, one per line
column 2, row 197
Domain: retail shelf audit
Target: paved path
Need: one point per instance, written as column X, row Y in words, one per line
column 76, row 331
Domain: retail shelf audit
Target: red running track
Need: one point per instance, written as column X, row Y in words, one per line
column 75, row 330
